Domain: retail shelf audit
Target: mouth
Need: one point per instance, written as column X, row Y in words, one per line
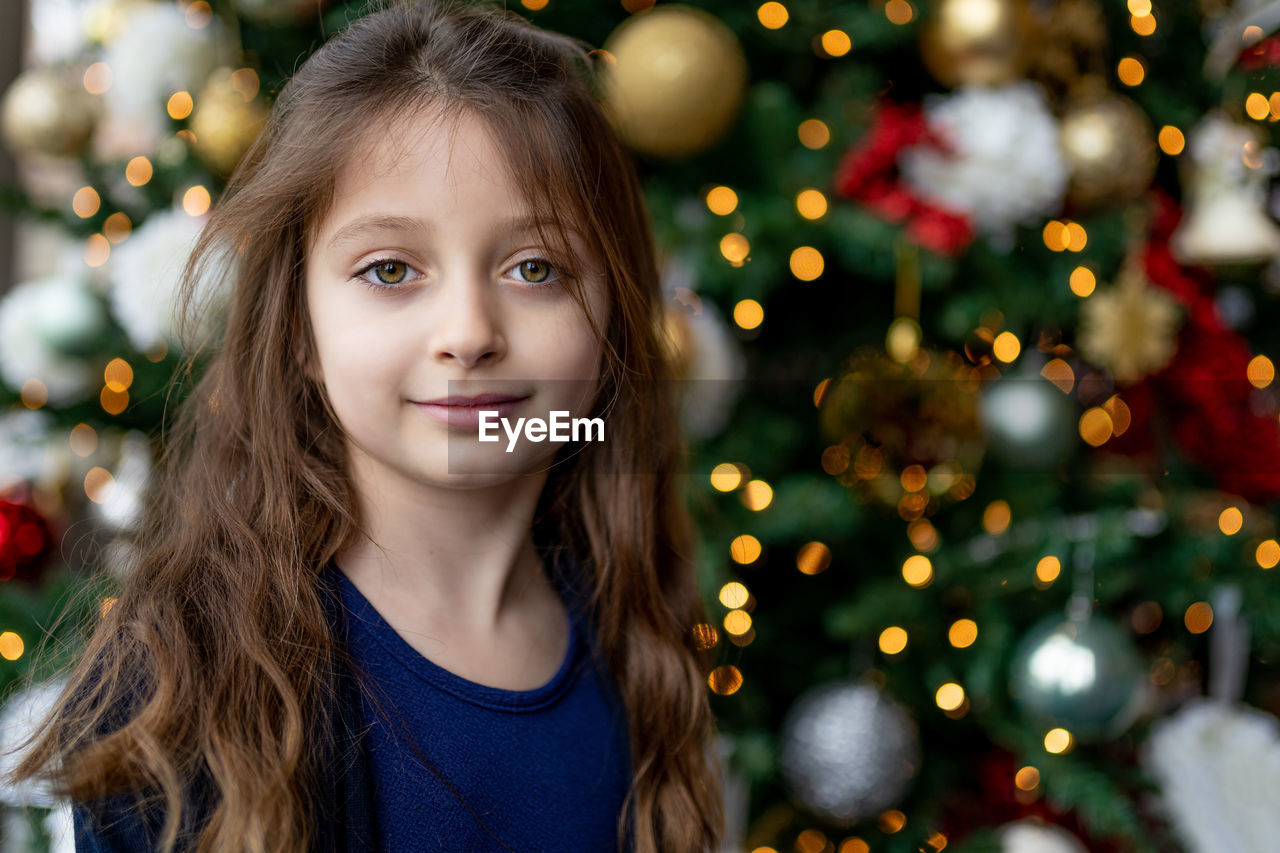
column 462, row 413
column 461, row 401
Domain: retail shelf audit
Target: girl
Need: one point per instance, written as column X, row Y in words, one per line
column 350, row 624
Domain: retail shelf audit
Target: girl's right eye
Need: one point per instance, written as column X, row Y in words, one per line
column 387, row 274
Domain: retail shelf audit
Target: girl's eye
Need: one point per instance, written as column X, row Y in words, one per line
column 386, row 273
column 538, row 271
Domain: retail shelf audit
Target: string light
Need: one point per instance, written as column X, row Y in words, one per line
column 1230, row 520
column 836, row 43
column 733, row 595
column 11, row 646
column 1171, row 140
column 814, row 134
column 757, row 495
column 807, row 263
column 1198, row 618
column 725, row 680
column 1268, row 554
column 893, row 640
column 722, row 201
column 917, row 571
column 745, row 549
column 748, row 314
column 1057, row 741
column 899, row 12
column 813, row 558
column 1082, row 281
column 963, row 633
column 726, row 477
column 773, row 15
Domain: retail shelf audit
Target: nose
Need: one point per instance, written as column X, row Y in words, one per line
column 466, row 322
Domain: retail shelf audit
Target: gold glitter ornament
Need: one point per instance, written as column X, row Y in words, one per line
column 1110, row 147
column 1129, row 328
column 675, row 80
column 978, row 42
column 891, row 416
column 45, row 112
column 225, row 122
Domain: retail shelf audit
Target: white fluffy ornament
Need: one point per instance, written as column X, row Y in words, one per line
column 1036, row 836
column 145, row 273
column 154, row 54
column 42, row 323
column 1218, row 768
column 1005, row 166
column 18, row 720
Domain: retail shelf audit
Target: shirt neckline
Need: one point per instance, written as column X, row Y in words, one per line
column 365, row 619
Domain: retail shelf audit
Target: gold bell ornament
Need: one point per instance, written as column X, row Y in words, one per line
column 674, row 80
column 1225, row 176
column 978, row 42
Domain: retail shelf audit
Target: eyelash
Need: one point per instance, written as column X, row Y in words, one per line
column 373, row 284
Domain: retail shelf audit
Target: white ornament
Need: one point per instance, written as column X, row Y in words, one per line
column 1226, row 220
column 28, row 454
column 1218, row 768
column 1036, row 836
column 154, row 54
column 713, row 379
column 145, row 273
column 121, row 503
column 38, row 320
column 1006, row 165
column 18, row 721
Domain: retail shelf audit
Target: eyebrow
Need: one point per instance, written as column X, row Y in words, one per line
column 379, row 223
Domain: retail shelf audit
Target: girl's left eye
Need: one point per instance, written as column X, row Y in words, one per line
column 387, row 274
column 538, row 271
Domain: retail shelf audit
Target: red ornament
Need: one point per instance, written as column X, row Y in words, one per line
column 1264, row 54
column 869, row 173
column 1203, row 397
column 25, row 542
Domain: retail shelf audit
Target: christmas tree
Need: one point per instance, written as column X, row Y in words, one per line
column 971, row 301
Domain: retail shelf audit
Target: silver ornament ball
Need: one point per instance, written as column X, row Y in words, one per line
column 1082, row 674
column 848, row 752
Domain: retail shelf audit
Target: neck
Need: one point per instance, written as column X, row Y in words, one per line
column 461, row 558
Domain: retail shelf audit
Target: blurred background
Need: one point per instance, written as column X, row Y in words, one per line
column 973, row 303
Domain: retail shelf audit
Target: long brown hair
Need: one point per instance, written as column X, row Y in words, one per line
column 219, row 637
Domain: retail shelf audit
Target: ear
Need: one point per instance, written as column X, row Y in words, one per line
column 306, row 363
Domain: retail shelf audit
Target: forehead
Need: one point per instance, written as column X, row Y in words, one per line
column 425, row 157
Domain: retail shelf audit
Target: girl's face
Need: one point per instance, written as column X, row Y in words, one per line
column 426, row 280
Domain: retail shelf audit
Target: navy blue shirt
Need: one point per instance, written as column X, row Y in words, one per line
column 545, row 769
column 458, row 766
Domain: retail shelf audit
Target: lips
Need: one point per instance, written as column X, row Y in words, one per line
column 462, row 413
column 478, row 400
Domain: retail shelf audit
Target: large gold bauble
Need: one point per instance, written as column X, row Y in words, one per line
column 225, row 122
column 45, row 112
column 676, row 81
column 978, row 42
column 1110, row 147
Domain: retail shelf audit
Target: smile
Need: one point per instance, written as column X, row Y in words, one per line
column 463, row 413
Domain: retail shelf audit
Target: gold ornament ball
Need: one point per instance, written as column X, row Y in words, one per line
column 1110, row 148
column 978, row 42
column 676, row 80
column 46, row 113
column 225, row 122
